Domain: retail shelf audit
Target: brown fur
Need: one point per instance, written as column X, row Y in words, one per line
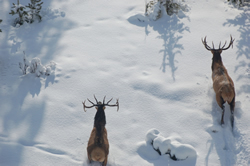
column 98, row 152
column 223, row 84
column 98, row 145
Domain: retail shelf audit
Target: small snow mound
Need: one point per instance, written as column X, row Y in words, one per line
column 151, row 135
column 157, row 144
column 182, row 151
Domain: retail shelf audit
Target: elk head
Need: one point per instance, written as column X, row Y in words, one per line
column 217, row 52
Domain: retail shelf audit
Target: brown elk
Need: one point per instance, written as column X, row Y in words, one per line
column 222, row 83
column 98, row 145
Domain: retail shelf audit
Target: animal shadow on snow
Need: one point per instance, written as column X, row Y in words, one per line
column 170, row 29
column 224, row 139
column 242, row 21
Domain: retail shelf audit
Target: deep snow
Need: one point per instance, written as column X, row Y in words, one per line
column 159, row 70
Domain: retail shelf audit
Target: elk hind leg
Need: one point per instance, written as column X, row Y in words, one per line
column 221, row 102
column 105, row 161
column 232, row 105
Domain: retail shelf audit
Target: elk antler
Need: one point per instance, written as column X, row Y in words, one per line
column 205, row 44
column 84, row 106
column 100, row 103
column 230, row 44
column 113, row 105
column 222, row 48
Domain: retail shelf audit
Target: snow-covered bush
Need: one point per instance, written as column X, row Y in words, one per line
column 240, row 3
column 174, row 6
column 35, row 7
column 35, row 66
column 170, row 146
column 25, row 15
column 236, row 1
column 154, row 8
column 20, row 11
column 23, row 66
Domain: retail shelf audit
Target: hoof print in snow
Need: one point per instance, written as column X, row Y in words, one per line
column 162, row 146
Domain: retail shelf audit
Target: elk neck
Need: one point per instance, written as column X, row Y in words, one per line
column 100, row 122
column 100, row 118
column 216, row 60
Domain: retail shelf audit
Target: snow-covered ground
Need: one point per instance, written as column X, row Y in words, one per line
column 159, row 70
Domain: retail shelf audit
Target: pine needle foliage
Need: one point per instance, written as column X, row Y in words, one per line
column 19, row 10
column 154, row 8
column 28, row 13
column 240, row 3
column 35, row 7
column 171, row 7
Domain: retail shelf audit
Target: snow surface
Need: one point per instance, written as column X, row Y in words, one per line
column 159, row 70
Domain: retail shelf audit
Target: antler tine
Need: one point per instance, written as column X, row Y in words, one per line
column 83, row 103
column 117, row 102
column 213, row 44
column 96, row 100
column 91, row 102
column 84, row 106
column 113, row 105
column 205, row 43
column 104, row 100
column 230, row 44
column 223, row 45
column 109, row 100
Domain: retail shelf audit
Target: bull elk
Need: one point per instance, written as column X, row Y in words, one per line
column 222, row 83
column 98, row 145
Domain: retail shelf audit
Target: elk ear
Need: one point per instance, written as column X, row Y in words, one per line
column 96, row 108
column 220, row 51
column 104, row 107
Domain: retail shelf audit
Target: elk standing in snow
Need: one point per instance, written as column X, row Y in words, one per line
column 222, row 83
column 98, row 145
